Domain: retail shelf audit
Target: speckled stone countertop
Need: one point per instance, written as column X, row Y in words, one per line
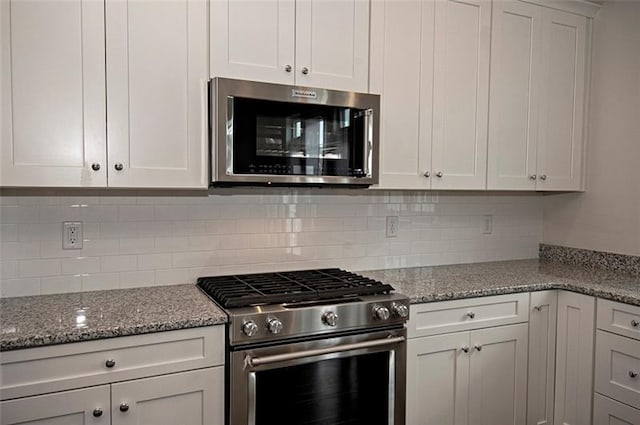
column 27, row 322
column 440, row 283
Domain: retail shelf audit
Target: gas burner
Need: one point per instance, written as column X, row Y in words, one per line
column 289, row 287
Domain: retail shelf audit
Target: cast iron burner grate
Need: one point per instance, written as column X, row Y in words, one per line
column 286, row 287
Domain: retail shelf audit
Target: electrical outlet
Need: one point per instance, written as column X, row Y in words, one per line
column 392, row 226
column 487, row 227
column 72, row 235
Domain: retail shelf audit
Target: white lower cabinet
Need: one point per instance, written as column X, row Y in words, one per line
column 611, row 412
column 542, row 357
column 477, row 377
column 180, row 381
column 574, row 359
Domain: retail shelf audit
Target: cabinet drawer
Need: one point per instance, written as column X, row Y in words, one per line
column 619, row 318
column 472, row 313
column 60, row 367
column 607, row 411
column 618, row 368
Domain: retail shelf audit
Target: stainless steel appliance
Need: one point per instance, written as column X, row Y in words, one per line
column 320, row 347
column 286, row 135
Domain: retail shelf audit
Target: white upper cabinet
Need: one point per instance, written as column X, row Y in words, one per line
column 515, row 82
column 319, row 43
column 430, row 63
column 538, row 81
column 253, row 40
column 401, row 68
column 52, row 93
column 157, row 73
column 562, row 100
column 461, row 93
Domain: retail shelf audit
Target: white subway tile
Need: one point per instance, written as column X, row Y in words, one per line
column 100, row 281
column 19, row 287
column 118, row 263
column 10, row 214
column 39, row 268
column 153, row 261
column 61, row 284
column 8, row 233
column 137, row 279
column 137, row 245
column 40, row 232
column 9, row 269
column 80, row 265
column 19, row 250
column 172, row 277
column 119, row 229
column 135, row 213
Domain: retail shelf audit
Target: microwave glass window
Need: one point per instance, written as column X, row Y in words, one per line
column 297, row 139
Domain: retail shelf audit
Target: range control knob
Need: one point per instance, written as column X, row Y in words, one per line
column 400, row 310
column 330, row 318
column 274, row 325
column 381, row 313
column 249, row 328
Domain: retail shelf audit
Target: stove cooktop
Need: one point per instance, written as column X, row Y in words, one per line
column 288, row 287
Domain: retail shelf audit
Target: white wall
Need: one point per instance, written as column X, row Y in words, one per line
column 607, row 216
column 155, row 238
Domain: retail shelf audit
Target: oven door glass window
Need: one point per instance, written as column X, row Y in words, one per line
column 281, row 138
column 342, row 391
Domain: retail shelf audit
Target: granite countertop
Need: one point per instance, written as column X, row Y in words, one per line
column 35, row 321
column 440, row 283
column 27, row 322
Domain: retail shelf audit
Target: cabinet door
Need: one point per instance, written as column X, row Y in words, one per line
column 253, row 40
column 438, row 380
column 574, row 359
column 611, row 412
column 401, row 69
column 542, row 357
column 52, row 93
column 332, row 44
column 157, row 73
column 498, row 383
column 89, row 406
column 461, row 93
column 515, row 81
column 187, row 398
column 560, row 136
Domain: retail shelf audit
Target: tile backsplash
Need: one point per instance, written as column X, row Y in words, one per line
column 143, row 238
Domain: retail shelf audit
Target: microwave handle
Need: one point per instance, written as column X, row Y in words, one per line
column 277, row 358
column 368, row 142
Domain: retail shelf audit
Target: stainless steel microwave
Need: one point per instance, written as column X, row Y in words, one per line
column 271, row 134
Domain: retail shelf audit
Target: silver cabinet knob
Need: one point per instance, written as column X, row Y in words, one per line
column 635, row 323
column 633, row 374
column 471, row 315
column 97, row 412
column 543, row 177
column 274, row 325
column 464, row 349
column 381, row 313
column 110, row 363
column 330, row 318
column 533, row 177
column 478, row 347
column 287, row 68
column 305, row 70
column 400, row 310
column 537, row 308
column 439, row 174
column 124, row 407
column 427, row 174
column 95, row 166
column 118, row 166
column 249, row 328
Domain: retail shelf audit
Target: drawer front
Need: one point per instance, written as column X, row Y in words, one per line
column 611, row 412
column 472, row 313
column 619, row 318
column 60, row 367
column 618, row 368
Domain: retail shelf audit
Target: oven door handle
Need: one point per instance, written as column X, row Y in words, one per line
column 276, row 358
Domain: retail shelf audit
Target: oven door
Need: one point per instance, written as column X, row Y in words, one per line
column 354, row 380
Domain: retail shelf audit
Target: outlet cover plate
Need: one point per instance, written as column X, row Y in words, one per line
column 72, row 235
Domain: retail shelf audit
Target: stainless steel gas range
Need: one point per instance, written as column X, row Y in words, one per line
column 322, row 347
